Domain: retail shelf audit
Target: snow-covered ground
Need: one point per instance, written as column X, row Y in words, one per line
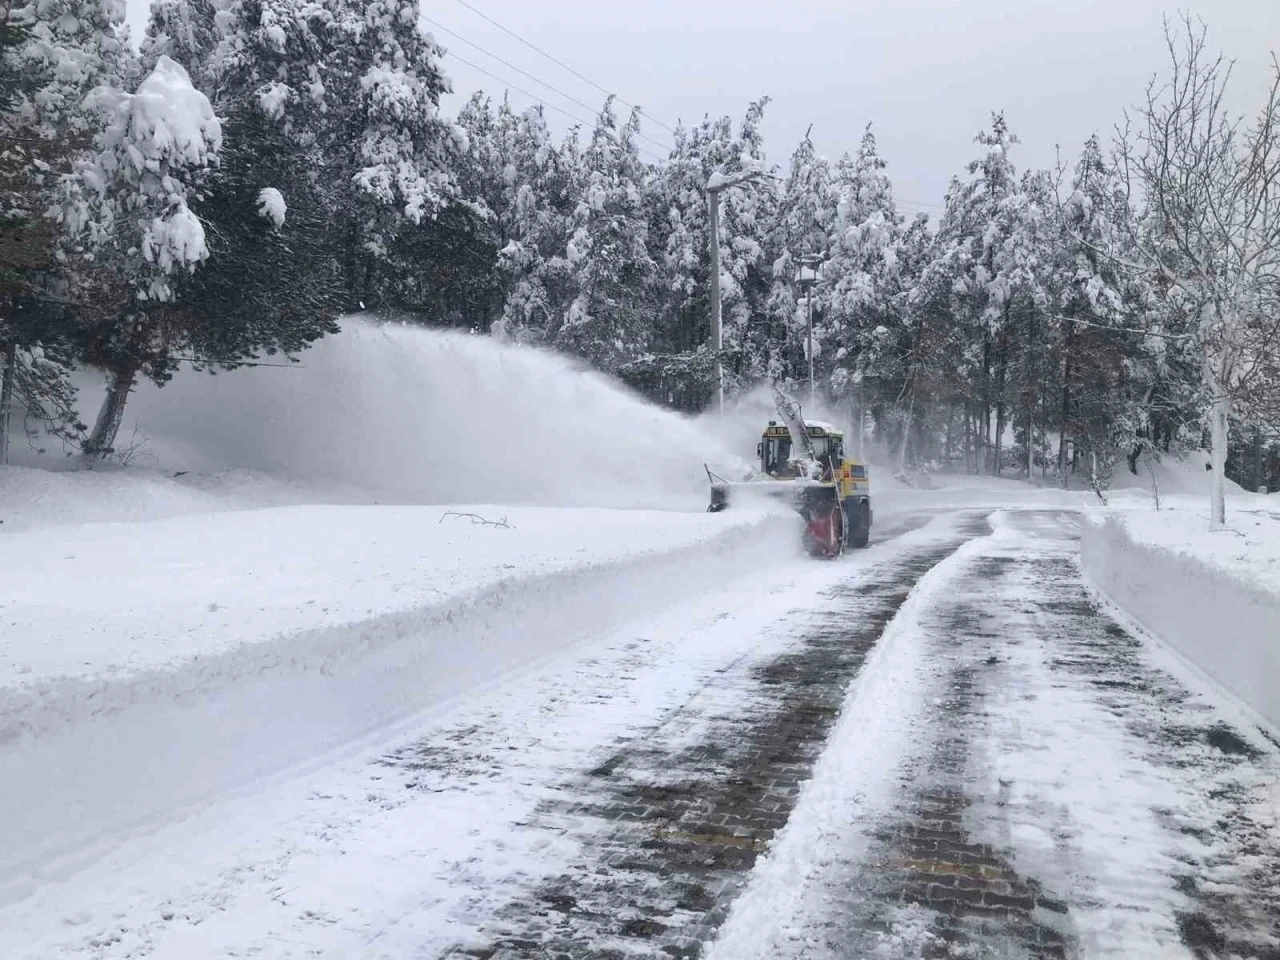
column 114, row 600
column 388, row 851
column 277, row 573
column 150, row 665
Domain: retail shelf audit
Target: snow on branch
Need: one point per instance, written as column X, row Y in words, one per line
column 477, row 520
column 157, row 142
column 271, row 205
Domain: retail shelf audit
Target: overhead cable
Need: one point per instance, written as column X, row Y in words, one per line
column 562, row 64
column 524, row 73
column 542, row 102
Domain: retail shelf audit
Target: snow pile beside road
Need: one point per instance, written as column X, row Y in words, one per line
column 149, row 666
column 1214, row 597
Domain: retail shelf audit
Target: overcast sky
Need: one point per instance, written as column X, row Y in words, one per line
column 926, row 73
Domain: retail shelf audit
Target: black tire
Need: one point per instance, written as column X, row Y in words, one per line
column 862, row 529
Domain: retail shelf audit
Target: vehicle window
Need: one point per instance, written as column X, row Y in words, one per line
column 777, row 450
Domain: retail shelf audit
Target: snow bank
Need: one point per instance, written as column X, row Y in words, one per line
column 1214, row 598
column 148, row 667
column 33, row 498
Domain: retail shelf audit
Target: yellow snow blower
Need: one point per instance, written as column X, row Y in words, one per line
column 803, row 463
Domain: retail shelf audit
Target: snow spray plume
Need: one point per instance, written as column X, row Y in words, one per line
column 427, row 417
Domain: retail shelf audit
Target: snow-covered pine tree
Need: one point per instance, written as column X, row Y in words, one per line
column 975, row 257
column 529, row 187
column 608, row 320
column 802, row 227
column 681, row 369
column 869, row 328
column 747, row 217
column 355, row 87
column 271, row 281
column 52, row 55
column 1107, row 376
column 131, row 215
column 187, row 32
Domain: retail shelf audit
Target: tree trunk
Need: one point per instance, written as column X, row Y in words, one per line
column 1044, row 430
column 1031, row 438
column 999, row 436
column 1066, row 407
column 102, row 439
column 951, row 419
column 7, row 376
column 1001, row 383
column 967, row 410
column 1256, row 486
column 906, row 435
column 984, row 428
column 1219, row 411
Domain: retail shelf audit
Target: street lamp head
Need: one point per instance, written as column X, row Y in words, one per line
column 720, row 181
column 810, row 270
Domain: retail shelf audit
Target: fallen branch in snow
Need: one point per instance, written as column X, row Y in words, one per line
column 475, row 518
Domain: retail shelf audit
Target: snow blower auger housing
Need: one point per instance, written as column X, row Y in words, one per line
column 830, row 492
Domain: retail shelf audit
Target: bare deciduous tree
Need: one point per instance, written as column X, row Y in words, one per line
column 1211, row 233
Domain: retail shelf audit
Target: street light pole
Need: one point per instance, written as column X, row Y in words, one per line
column 717, row 184
column 717, row 336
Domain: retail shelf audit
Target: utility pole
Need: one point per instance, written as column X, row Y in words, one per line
column 716, row 185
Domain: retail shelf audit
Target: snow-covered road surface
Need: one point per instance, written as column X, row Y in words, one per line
column 1017, row 775
column 941, row 746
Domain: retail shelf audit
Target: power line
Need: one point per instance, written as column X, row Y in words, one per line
column 918, row 203
column 562, row 64
column 542, row 102
column 525, row 73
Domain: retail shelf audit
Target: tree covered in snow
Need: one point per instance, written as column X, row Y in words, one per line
column 53, row 55
column 868, row 322
column 1210, row 233
column 681, row 367
column 987, row 257
column 527, row 188
column 802, row 228
column 747, row 215
column 353, row 89
column 187, row 32
column 130, row 213
column 612, row 274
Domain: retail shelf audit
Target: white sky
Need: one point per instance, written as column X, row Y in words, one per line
column 927, row 73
